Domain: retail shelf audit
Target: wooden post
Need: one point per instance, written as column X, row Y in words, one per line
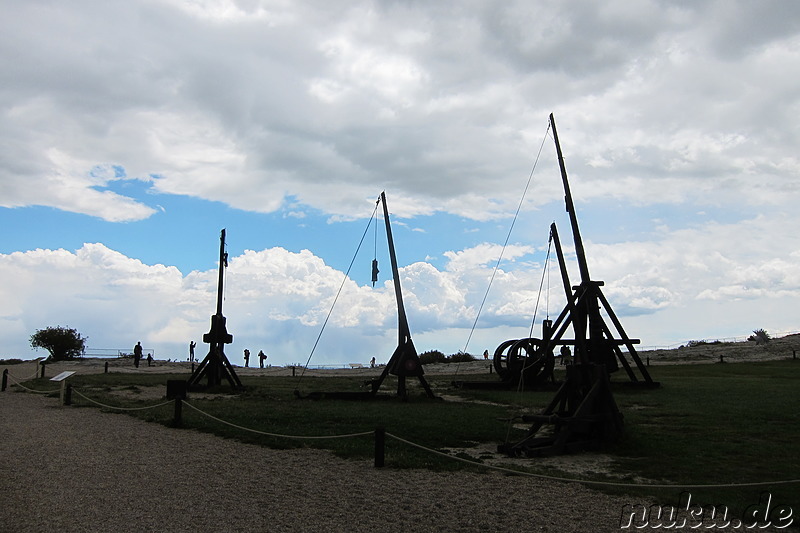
column 5, row 379
column 380, row 445
column 42, row 369
column 177, row 418
column 67, row 394
column 106, row 370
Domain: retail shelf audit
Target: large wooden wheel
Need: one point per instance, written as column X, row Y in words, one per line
column 517, row 357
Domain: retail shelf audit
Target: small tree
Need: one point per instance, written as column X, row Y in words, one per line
column 760, row 336
column 62, row 343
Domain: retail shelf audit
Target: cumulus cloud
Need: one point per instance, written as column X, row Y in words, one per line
column 279, row 300
column 273, row 105
column 483, row 255
column 250, row 103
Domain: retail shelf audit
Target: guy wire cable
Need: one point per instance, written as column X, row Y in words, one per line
column 545, row 273
column 505, row 244
column 330, row 311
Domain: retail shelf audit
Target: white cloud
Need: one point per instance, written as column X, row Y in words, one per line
column 248, row 102
column 485, row 254
column 307, row 106
column 278, row 300
column 271, row 12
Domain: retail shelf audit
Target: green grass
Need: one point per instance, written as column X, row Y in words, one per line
column 707, row 424
column 717, row 424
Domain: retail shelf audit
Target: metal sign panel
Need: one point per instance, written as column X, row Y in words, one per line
column 62, row 376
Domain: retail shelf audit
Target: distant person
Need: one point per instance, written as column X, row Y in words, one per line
column 191, row 351
column 137, row 354
column 246, row 357
column 261, row 358
column 372, row 363
column 565, row 355
column 486, row 354
column 149, row 359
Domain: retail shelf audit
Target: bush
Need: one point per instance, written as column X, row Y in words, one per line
column 692, row 344
column 461, row 357
column 432, row 356
column 760, row 336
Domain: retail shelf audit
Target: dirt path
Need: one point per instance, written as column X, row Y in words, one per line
column 78, row 469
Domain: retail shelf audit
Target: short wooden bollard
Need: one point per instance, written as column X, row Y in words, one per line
column 42, row 375
column 794, row 354
column 106, row 370
column 380, row 447
column 5, row 379
column 177, row 418
column 67, row 394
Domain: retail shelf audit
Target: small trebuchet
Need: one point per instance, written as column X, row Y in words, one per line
column 216, row 366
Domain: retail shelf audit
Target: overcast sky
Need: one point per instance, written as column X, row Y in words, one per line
column 132, row 132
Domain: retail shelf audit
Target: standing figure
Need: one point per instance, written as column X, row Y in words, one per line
column 246, row 357
column 372, row 363
column 149, row 359
column 137, row 354
column 191, row 351
column 566, row 354
column 261, row 358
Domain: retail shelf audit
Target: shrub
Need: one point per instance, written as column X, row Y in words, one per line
column 760, row 336
column 432, row 356
column 461, row 357
column 692, row 344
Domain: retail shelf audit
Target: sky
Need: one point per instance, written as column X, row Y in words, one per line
column 132, row 132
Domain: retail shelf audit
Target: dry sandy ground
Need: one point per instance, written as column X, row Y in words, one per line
column 730, row 352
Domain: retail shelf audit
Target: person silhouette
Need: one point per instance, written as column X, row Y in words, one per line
column 137, row 354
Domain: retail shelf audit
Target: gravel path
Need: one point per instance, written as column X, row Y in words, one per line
column 70, row 469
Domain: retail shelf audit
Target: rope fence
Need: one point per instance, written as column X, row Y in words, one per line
column 585, row 481
column 380, row 435
column 76, row 391
column 20, row 385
